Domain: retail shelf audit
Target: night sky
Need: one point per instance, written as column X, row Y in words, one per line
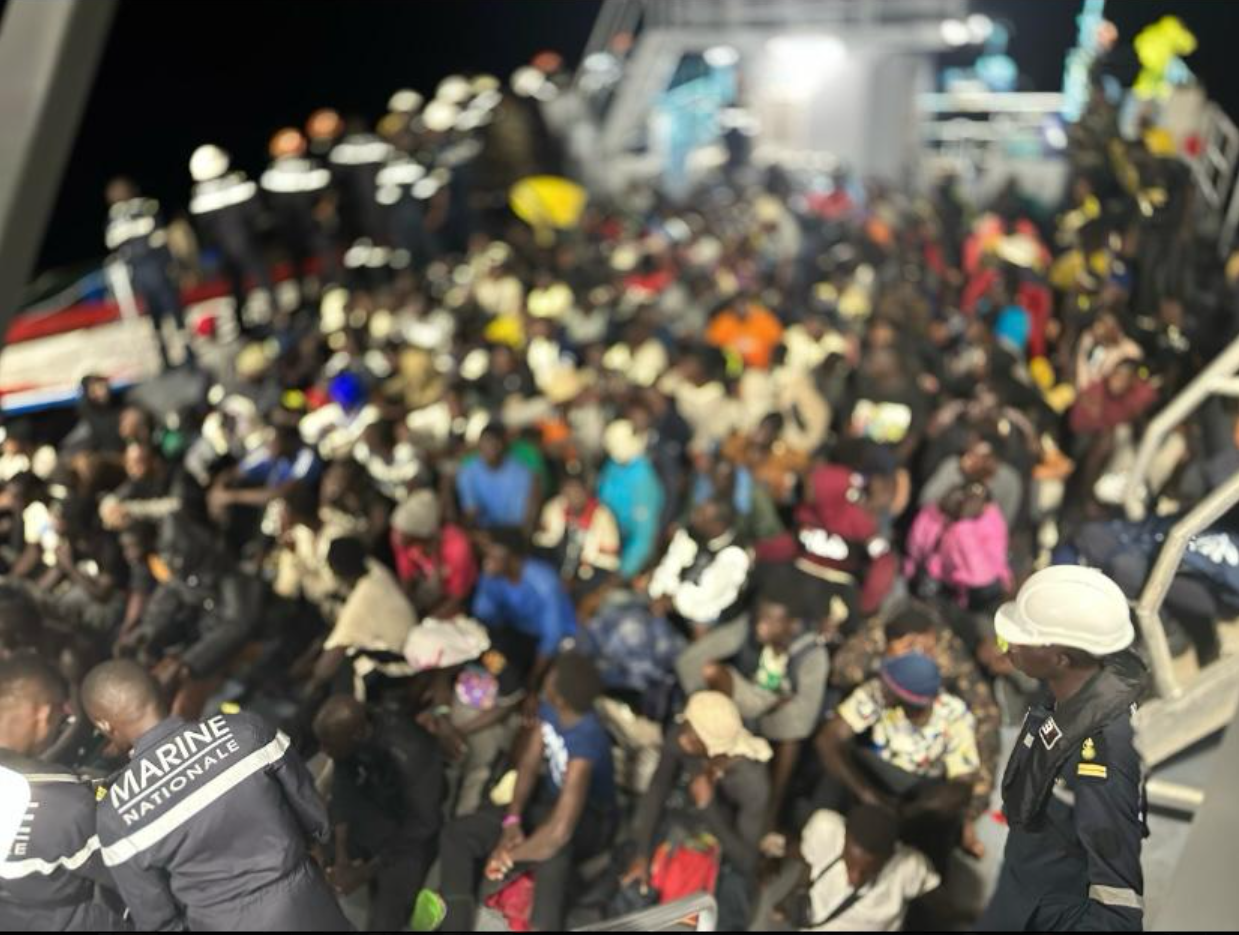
column 175, row 75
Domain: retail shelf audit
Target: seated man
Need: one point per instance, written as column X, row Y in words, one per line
column 843, row 554
column 469, row 697
column 376, row 617
column 265, row 474
column 774, row 667
column 197, row 620
column 579, row 535
column 900, row 742
column 916, row 628
column 434, row 560
column 630, row 487
column 723, row 768
column 151, row 491
column 53, row 877
column 494, row 488
column 861, row 879
column 521, row 599
column 704, row 572
column 386, row 805
column 565, row 793
column 978, row 464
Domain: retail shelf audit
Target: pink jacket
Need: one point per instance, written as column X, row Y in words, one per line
column 967, row 553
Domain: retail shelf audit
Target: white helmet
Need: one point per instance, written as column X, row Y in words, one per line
column 455, row 89
column 208, row 162
column 440, row 116
column 527, row 81
column 483, row 83
column 405, row 101
column 1068, row 605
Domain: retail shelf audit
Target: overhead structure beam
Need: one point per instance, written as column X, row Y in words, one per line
column 49, row 53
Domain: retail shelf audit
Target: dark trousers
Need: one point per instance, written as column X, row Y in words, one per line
column 393, row 893
column 468, row 842
column 152, row 283
column 244, row 266
column 934, row 834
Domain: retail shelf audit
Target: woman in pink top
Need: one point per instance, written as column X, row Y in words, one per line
column 960, row 544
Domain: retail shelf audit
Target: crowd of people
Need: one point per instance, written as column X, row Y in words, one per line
column 591, row 568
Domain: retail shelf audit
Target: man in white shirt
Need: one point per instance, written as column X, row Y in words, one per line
column 704, row 573
column 862, row 878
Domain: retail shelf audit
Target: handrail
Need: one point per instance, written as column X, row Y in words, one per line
column 664, row 918
column 1214, row 378
column 1148, row 610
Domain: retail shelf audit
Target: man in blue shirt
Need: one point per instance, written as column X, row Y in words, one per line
column 494, row 488
column 268, row 473
column 524, row 595
column 564, row 795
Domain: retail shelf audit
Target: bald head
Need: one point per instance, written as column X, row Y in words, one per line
column 340, row 726
column 123, row 701
column 33, row 701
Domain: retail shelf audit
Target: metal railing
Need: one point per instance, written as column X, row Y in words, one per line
column 1148, row 609
column 1230, row 222
column 1181, row 716
column 671, row 917
column 1216, row 378
column 1214, row 167
column 799, row 13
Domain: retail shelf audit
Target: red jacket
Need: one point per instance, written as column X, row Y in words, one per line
column 835, row 532
column 1097, row 411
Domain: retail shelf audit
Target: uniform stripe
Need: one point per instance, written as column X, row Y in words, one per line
column 1119, row 898
column 145, row 838
column 1094, row 771
column 34, row 866
column 44, row 778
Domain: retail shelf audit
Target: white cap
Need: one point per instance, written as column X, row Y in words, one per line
column 208, row 162
column 1068, row 605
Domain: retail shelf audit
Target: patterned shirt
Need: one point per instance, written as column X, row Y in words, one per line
column 859, row 659
column 945, row 746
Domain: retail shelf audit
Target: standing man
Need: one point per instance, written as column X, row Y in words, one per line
column 52, row 876
column 225, row 207
column 136, row 236
column 208, row 828
column 295, row 185
column 1073, row 792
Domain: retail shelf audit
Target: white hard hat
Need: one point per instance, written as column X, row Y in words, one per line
column 208, row 162
column 527, row 80
column 1068, row 605
column 440, row 116
column 405, row 101
column 455, row 89
column 483, row 83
